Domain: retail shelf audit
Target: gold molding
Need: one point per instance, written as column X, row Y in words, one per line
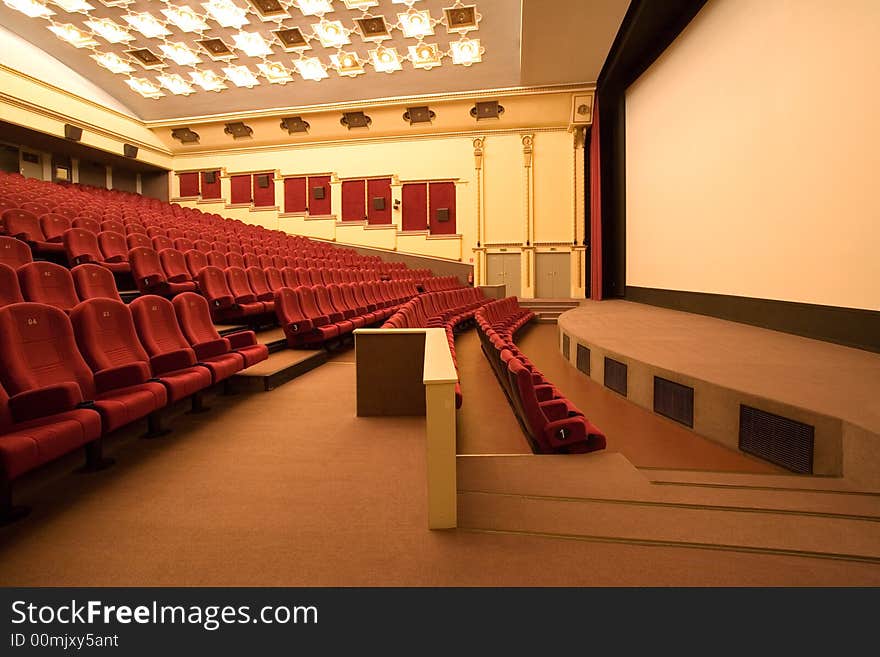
column 388, row 101
column 528, row 146
column 367, row 140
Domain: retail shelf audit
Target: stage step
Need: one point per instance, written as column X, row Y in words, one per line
column 281, row 367
column 706, row 528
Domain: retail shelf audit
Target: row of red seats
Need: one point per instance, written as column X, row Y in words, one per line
column 550, row 420
column 54, row 285
column 450, row 310
column 69, row 380
column 320, row 315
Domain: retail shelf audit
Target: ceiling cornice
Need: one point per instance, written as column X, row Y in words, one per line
column 391, row 101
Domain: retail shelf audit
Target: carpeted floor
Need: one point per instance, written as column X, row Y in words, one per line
column 290, row 488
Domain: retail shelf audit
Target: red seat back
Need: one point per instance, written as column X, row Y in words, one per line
column 47, row 283
column 196, row 261
column 54, row 225
column 194, row 318
column 14, row 253
column 174, row 266
column 113, row 246
column 157, row 327
column 105, row 333
column 10, row 292
column 93, row 282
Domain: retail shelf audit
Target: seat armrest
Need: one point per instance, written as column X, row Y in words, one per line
column 123, row 376
column 300, row 326
column 336, row 317
column 41, row 402
column 225, row 301
column 211, row 348
column 319, row 320
column 242, row 339
column 565, row 432
column 172, row 360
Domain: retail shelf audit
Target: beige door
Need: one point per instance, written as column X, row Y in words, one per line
column 504, row 268
column 552, row 275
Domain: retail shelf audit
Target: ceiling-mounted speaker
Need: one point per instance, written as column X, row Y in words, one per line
column 129, row 151
column 185, row 135
column 72, row 132
column 489, row 109
column 421, row 114
column 355, row 120
column 581, row 109
column 238, row 130
column 294, row 124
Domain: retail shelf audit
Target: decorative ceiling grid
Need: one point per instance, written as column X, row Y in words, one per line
column 188, row 47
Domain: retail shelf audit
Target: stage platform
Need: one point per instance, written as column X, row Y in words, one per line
column 808, row 405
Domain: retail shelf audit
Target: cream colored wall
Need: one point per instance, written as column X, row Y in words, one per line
column 752, row 155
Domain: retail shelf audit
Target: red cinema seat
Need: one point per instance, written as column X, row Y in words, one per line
column 196, row 261
column 214, row 287
column 183, row 245
column 340, row 303
column 25, row 226
column 36, row 207
column 10, row 292
column 202, row 245
column 260, row 285
column 274, row 278
column 113, row 227
column 235, row 260
column 14, row 253
column 28, row 444
column 48, row 283
column 138, row 229
column 172, row 360
column 161, row 242
column 138, row 240
column 53, row 226
column 146, row 267
column 194, row 318
column 176, row 272
column 299, row 330
column 217, row 259
column 327, row 329
column 326, row 307
column 251, row 260
column 94, row 282
column 87, row 223
column 114, row 250
column 43, row 358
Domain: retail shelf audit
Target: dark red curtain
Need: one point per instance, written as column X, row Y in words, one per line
column 595, row 210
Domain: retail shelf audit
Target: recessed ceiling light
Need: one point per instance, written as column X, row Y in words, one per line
column 466, row 51
column 416, row 24
column 275, row 72
column 146, row 58
column 385, row 60
column 216, row 49
column 185, row 18
column 347, row 64
column 462, row 19
column 175, row 84
column 147, row 24
column 373, row 28
column 144, row 87
column 227, row 13
column 109, row 30
column 180, row 53
column 72, row 35
column 360, row 4
column 207, row 80
column 30, row 8
column 241, row 76
column 310, row 68
column 112, row 62
column 332, row 34
column 268, row 9
column 424, row 55
column 314, row 7
column 292, row 39
column 252, row 43
column 73, row 6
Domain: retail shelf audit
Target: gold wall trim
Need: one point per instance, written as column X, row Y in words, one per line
column 369, row 140
column 388, row 101
column 90, row 127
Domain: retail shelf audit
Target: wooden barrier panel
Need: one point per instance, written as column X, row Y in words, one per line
column 411, row 372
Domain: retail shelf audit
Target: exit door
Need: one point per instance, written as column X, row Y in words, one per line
column 505, row 268
column 552, row 275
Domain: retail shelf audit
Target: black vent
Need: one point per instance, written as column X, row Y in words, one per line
column 566, row 346
column 674, row 400
column 583, row 359
column 615, row 375
column 782, row 441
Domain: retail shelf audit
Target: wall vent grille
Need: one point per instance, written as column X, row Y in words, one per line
column 615, row 375
column 777, row 439
column 674, row 400
column 583, row 359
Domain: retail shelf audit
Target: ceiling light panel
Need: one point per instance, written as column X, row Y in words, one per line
column 180, row 53
column 331, row 34
column 310, row 68
column 425, row 56
column 314, row 7
column 466, row 51
column 175, row 84
column 347, row 64
column 147, row 24
column 144, row 87
column 74, row 36
column 275, row 72
column 74, row 6
column 185, row 18
column 241, row 76
column 226, row 13
column 207, row 80
column 416, row 24
column 113, row 62
column 30, row 8
column 385, row 60
column 109, row 30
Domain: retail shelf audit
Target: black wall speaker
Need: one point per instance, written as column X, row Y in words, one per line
column 317, row 192
column 129, row 150
column 210, row 177
column 263, row 180
column 72, row 132
column 378, row 202
column 442, row 214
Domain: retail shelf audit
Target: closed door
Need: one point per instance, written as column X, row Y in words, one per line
column 9, row 159
column 295, row 195
column 552, row 275
column 354, row 200
column 264, row 190
column 504, row 269
column 379, row 201
column 415, row 206
column 240, row 189
column 319, row 196
column 31, row 165
column 442, row 202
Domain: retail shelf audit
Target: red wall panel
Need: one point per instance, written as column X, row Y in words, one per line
column 189, row 183
column 240, row 189
column 442, row 195
column 295, row 199
column 354, row 207
column 211, row 190
column 379, row 188
column 264, row 197
column 415, row 206
column 319, row 206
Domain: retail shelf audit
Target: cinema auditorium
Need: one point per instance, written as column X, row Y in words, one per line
column 439, row 293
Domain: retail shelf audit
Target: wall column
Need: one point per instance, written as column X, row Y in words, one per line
column 335, row 196
column 479, row 251
column 578, row 251
column 225, row 185
column 528, row 249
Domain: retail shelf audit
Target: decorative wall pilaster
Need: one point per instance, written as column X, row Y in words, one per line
column 578, row 253
column 225, row 186
column 528, row 143
column 479, row 251
column 335, row 196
